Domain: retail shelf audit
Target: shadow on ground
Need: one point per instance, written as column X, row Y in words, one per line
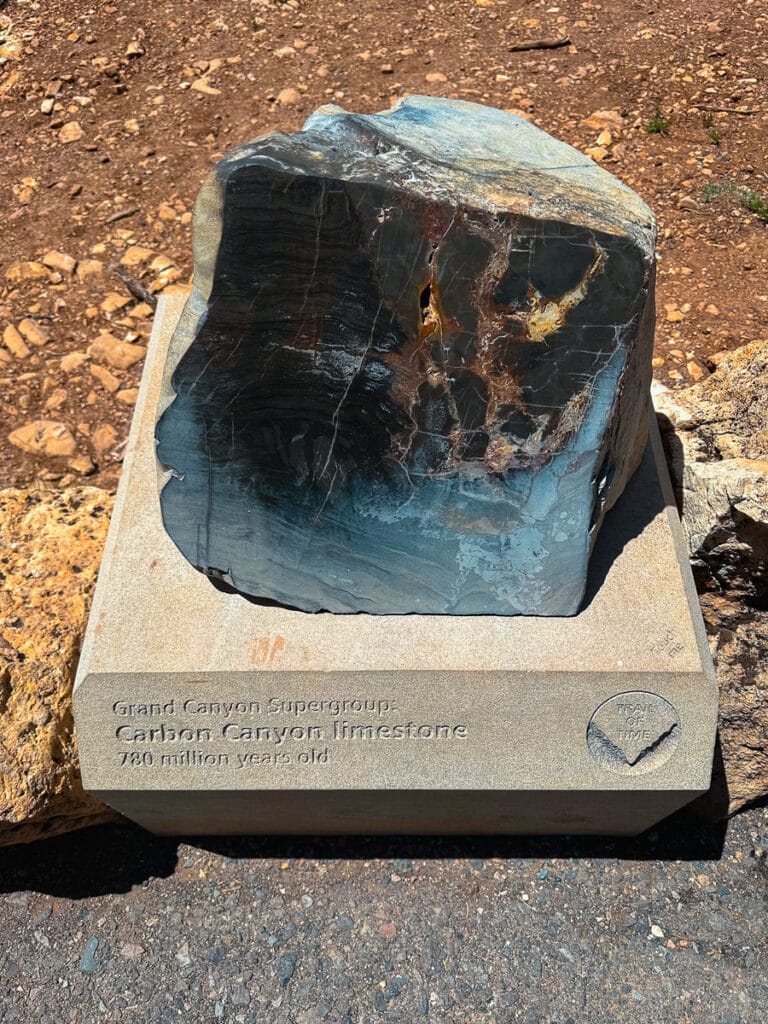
column 641, row 502
column 115, row 858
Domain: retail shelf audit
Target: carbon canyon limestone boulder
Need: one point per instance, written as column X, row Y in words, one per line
column 413, row 372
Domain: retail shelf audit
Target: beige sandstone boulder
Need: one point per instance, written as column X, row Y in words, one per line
column 44, row 437
column 120, row 354
column 716, row 437
column 50, row 549
column 738, row 637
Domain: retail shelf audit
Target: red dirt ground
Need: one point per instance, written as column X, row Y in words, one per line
column 142, row 99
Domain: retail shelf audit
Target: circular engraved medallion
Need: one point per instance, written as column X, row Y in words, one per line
column 633, row 733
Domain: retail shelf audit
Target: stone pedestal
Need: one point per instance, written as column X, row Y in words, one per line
column 199, row 711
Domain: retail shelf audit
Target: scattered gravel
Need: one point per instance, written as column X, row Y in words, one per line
column 112, row 924
column 113, row 113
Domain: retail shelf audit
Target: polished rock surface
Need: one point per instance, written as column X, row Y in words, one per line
column 413, row 372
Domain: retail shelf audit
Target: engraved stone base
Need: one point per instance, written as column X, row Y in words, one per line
column 198, row 711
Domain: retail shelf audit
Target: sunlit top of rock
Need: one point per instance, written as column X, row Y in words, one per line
column 481, row 154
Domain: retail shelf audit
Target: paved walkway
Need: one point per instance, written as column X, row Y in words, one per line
column 112, row 924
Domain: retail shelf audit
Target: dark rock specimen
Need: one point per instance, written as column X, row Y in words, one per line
column 413, row 372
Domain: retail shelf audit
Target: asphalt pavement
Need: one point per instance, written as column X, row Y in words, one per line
column 113, row 924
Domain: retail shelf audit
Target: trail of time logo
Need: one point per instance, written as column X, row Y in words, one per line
column 633, row 733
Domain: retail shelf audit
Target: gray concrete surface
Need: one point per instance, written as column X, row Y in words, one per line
column 113, row 924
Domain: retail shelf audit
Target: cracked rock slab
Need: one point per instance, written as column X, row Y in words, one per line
column 413, row 372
